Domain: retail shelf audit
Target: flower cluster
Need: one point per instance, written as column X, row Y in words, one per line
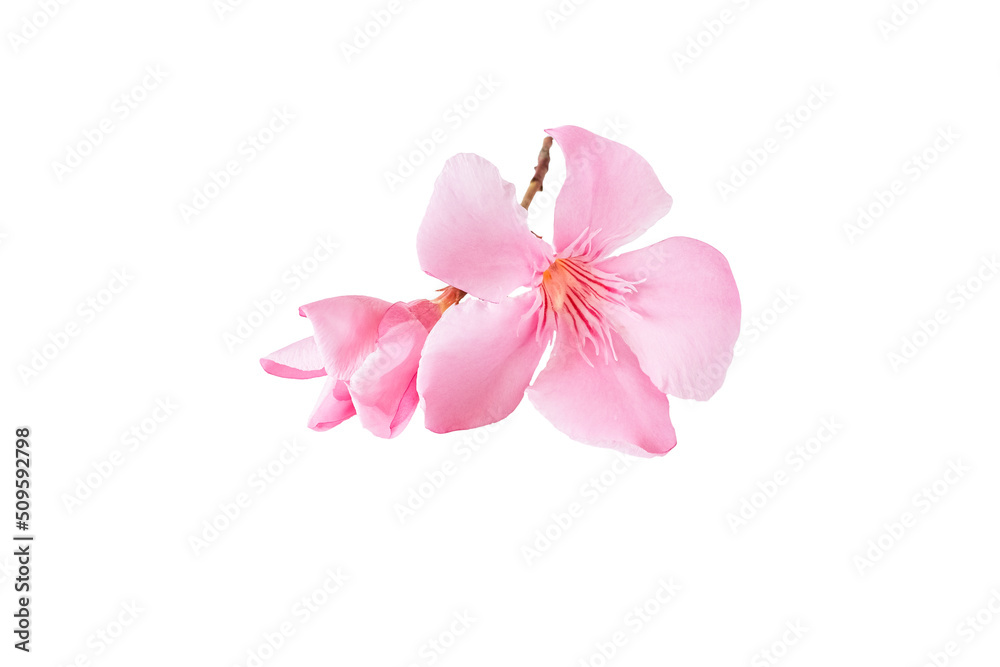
column 624, row 330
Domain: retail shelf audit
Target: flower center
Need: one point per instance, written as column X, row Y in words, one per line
column 576, row 298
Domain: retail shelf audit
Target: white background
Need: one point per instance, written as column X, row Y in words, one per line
column 611, row 67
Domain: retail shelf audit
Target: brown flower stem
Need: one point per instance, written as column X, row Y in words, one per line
column 451, row 295
column 448, row 297
column 540, row 170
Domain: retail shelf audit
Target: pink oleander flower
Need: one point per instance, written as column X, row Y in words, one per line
column 368, row 349
column 626, row 330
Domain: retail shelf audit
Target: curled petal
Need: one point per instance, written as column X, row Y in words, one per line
column 427, row 312
column 333, row 407
column 383, row 387
column 611, row 195
column 475, row 235
column 346, row 329
column 299, row 360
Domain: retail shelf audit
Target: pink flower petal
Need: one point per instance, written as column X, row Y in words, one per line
column 688, row 311
column 407, row 406
column 477, row 362
column 426, row 311
column 346, row 328
column 610, row 192
column 333, row 407
column 608, row 404
column 299, row 361
column 383, row 387
column 475, row 235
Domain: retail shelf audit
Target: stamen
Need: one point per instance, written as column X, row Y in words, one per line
column 576, row 300
column 582, row 248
